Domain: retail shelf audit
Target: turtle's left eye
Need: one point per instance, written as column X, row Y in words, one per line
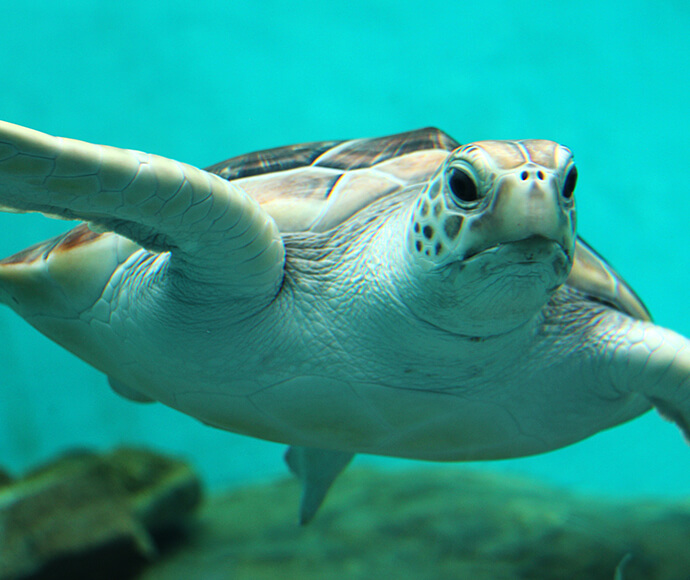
column 462, row 186
column 570, row 181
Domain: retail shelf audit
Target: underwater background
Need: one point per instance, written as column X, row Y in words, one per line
column 202, row 81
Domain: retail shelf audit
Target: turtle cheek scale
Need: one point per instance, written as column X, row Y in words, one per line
column 434, row 232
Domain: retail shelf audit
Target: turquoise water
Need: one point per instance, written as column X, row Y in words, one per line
column 205, row 80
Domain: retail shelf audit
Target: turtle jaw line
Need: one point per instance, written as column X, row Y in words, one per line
column 531, row 248
column 497, row 289
column 535, row 255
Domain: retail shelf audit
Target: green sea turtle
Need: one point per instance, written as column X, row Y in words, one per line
column 402, row 296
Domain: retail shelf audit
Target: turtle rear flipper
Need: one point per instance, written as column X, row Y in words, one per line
column 316, row 469
column 216, row 234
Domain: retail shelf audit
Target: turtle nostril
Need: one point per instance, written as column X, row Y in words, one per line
column 540, row 175
column 524, row 175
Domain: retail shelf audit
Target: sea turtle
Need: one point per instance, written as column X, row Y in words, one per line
column 402, row 296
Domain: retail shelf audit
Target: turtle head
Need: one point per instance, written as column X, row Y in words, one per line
column 493, row 235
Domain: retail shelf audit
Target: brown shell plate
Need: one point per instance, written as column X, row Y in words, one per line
column 317, row 186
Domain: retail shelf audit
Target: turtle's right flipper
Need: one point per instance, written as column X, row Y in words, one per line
column 317, row 469
column 216, row 233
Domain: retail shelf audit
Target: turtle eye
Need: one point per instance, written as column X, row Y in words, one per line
column 569, row 185
column 462, row 186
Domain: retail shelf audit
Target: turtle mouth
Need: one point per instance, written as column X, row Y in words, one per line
column 536, row 254
column 528, row 250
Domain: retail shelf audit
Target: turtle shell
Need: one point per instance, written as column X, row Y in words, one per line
column 313, row 187
column 316, row 186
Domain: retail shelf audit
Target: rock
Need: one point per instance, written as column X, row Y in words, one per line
column 432, row 524
column 92, row 516
column 5, row 478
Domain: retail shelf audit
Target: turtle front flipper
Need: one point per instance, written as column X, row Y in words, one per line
column 216, row 234
column 652, row 361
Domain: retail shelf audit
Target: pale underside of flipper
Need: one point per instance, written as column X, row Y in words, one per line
column 215, row 232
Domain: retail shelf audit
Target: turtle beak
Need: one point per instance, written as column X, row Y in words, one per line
column 527, row 207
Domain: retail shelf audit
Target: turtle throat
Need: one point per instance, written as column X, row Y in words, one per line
column 492, row 292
